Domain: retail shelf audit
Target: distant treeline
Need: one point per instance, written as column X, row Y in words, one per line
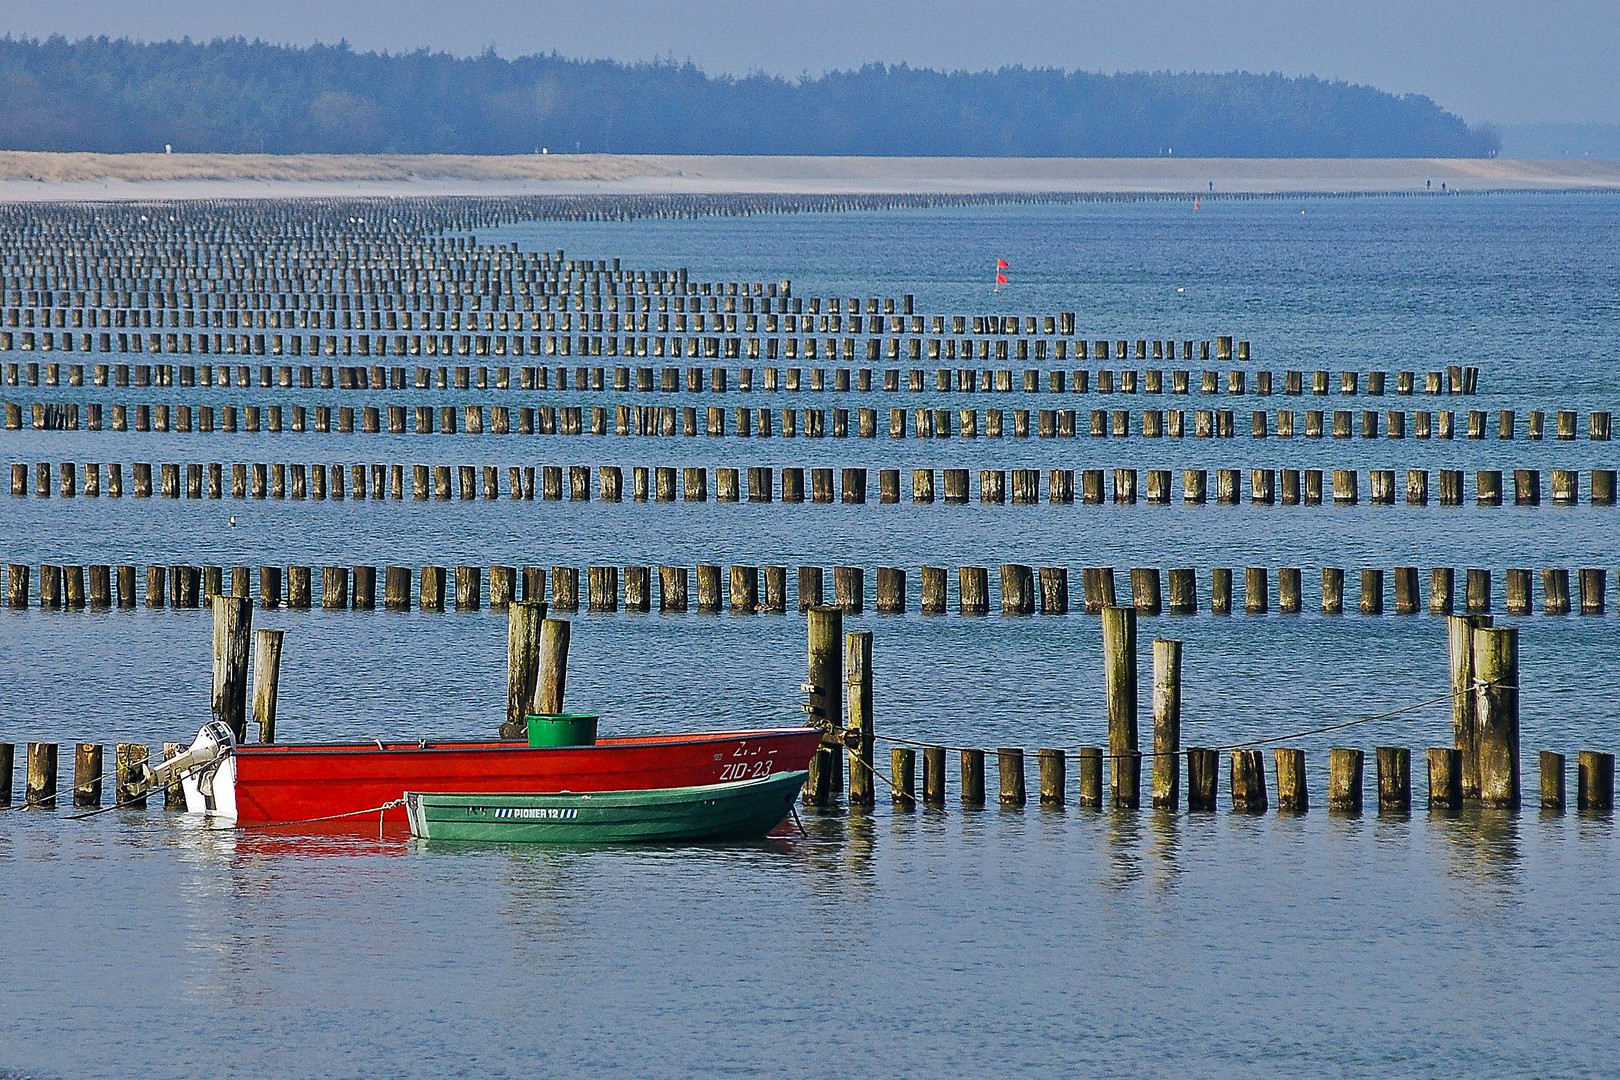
column 234, row 95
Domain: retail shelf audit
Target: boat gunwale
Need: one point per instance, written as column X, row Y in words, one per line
column 725, row 789
column 481, row 746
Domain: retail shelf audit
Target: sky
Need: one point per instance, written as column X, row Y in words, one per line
column 1497, row 61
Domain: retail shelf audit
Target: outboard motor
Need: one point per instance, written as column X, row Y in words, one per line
column 206, row 771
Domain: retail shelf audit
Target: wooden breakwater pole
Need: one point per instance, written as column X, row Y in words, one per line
column 1293, row 795
column 551, row 667
column 824, row 687
column 523, row 623
column 1496, row 704
column 1120, row 688
column 1445, row 778
column 858, row 676
column 1464, row 716
column 40, row 788
column 1166, row 724
column 266, row 680
column 1594, row 782
column 233, row 633
column 87, row 774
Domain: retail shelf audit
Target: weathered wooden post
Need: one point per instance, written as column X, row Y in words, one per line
column 87, row 759
column 1394, row 779
column 1203, row 777
column 1555, row 591
column 551, row 669
column 1594, row 782
column 1459, row 641
column 1496, row 722
column 470, row 587
column 40, row 790
column 903, row 773
column 1090, row 771
column 1010, row 772
column 972, row 777
column 17, row 578
column 1406, row 590
column 637, row 588
column 129, row 759
column 233, row 635
column 430, row 592
column 1119, row 682
column 396, row 588
column 1248, row 781
column 1442, row 590
column 1445, row 778
column 266, row 681
column 824, row 685
column 1345, row 766
column 1292, row 794
column 858, row 676
column 673, row 589
column 934, row 776
column 1053, row 774
column 1166, row 724
column 1552, row 781
column 973, row 590
column 1183, row 591
column 849, row 589
column 1017, row 589
column 891, row 591
column 523, row 619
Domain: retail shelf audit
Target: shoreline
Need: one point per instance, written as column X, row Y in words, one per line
column 54, row 177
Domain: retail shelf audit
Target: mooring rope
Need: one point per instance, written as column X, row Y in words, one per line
column 131, row 801
column 32, row 804
column 378, row 810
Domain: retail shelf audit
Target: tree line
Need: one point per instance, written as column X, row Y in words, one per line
column 234, row 96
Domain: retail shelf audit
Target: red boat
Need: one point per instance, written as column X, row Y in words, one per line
column 303, row 783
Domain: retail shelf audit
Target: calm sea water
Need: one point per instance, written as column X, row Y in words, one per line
column 1035, row 942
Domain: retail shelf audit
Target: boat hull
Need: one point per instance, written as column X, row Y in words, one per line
column 733, row 811
column 292, row 783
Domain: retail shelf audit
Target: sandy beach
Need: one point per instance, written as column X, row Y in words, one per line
column 27, row 176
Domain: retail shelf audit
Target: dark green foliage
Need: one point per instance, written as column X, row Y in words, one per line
column 240, row 96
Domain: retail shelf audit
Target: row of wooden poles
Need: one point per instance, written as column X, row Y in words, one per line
column 529, row 333
column 534, row 328
column 673, row 379
column 1024, row 589
column 714, row 421
column 1482, row 766
column 758, row 484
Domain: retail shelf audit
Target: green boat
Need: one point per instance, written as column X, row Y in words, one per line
column 742, row 810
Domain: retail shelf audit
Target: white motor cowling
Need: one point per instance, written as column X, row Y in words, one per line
column 206, row 771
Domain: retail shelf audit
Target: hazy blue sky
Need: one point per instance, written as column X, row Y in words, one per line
column 1507, row 61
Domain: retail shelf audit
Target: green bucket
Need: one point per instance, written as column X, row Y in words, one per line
column 562, row 729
